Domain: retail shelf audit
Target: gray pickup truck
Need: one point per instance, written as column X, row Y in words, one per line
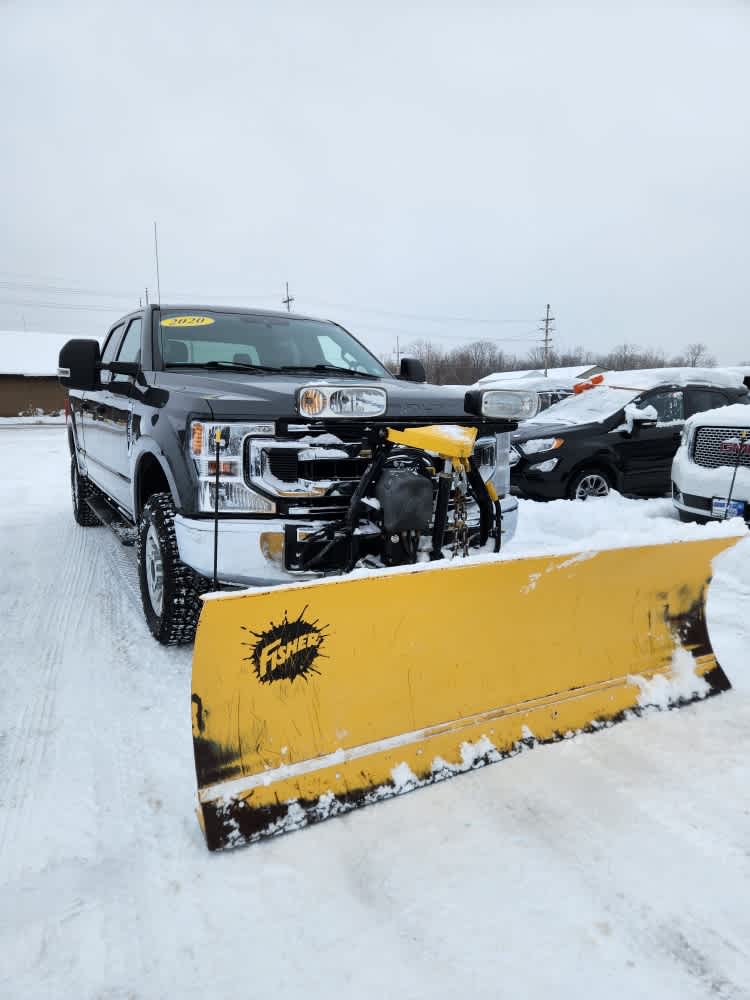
column 248, row 447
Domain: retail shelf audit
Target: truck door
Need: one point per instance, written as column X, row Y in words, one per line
column 647, row 453
column 93, row 414
column 119, row 403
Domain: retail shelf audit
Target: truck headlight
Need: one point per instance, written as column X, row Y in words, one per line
column 502, row 404
column 234, row 494
column 341, row 401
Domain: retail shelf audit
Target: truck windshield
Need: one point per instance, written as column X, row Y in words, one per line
column 192, row 337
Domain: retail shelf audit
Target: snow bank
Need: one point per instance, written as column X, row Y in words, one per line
column 39, row 418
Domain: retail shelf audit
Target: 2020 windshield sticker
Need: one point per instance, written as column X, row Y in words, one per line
column 288, row 650
column 182, row 321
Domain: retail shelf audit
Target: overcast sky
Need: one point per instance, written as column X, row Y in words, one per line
column 406, row 167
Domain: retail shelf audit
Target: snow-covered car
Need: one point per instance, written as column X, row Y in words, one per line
column 621, row 432
column 711, row 470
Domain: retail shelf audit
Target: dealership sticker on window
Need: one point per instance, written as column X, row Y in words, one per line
column 187, row 321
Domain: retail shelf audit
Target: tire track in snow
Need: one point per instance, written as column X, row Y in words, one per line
column 65, row 595
column 137, row 687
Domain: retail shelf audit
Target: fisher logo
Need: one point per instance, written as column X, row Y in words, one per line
column 733, row 446
column 287, row 650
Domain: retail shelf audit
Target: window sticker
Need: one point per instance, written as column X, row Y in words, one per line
column 187, row 321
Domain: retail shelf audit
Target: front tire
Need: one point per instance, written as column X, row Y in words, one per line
column 80, row 489
column 589, row 483
column 170, row 590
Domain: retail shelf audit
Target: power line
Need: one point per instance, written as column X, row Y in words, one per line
column 27, row 287
column 128, row 296
column 353, row 307
column 440, row 335
column 418, row 316
column 75, row 306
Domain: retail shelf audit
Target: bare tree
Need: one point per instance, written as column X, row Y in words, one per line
column 697, row 356
column 469, row 362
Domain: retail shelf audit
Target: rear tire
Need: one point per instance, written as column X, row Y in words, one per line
column 170, row 590
column 589, row 483
column 80, row 489
column 687, row 518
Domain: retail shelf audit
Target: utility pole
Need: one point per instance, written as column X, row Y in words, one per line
column 398, row 353
column 548, row 320
column 147, row 296
column 289, row 298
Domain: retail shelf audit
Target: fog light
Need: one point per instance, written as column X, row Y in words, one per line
column 312, row 402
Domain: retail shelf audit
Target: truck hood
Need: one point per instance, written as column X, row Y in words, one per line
column 528, row 432
column 273, row 397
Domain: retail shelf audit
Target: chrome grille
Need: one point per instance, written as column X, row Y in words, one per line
column 287, row 465
column 717, row 446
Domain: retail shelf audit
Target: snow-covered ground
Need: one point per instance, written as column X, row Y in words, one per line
column 612, row 865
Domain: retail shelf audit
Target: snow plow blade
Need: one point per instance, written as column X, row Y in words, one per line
column 313, row 699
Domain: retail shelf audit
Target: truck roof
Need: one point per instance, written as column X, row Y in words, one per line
column 245, row 310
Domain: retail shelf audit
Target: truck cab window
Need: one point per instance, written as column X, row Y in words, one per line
column 131, row 344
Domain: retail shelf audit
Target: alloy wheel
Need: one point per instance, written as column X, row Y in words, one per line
column 154, row 571
column 592, row 485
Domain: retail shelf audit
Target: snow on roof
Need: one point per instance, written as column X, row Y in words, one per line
column 649, row 378
column 620, row 388
column 27, row 352
column 555, row 377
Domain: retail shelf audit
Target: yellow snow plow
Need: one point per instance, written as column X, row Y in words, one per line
column 316, row 698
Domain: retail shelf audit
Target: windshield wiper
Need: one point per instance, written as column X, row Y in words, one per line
column 236, row 365
column 327, row 368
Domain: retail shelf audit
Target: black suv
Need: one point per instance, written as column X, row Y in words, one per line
column 620, row 434
column 240, row 446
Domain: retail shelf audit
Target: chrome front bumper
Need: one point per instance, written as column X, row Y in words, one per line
column 250, row 551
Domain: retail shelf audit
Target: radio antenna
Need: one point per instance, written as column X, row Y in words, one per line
column 156, row 254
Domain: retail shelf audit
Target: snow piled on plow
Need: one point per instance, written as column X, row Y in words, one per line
column 683, row 685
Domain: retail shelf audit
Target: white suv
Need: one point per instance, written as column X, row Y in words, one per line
column 711, row 470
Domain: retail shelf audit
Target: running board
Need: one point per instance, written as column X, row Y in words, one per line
column 113, row 519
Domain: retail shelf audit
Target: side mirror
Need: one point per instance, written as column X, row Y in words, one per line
column 639, row 423
column 412, row 370
column 79, row 364
column 637, row 418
